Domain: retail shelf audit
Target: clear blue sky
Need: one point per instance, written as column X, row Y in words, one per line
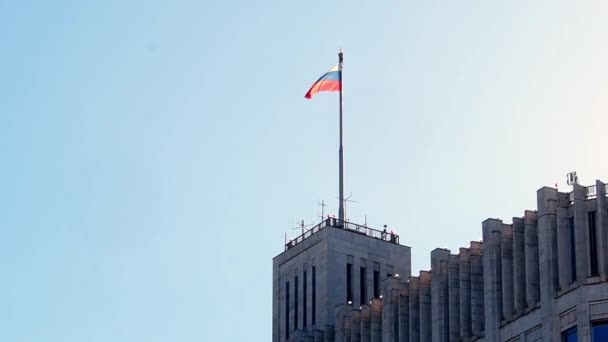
column 154, row 153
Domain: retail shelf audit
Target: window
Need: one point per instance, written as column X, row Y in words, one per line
column 572, row 251
column 295, row 306
column 287, row 310
column 363, row 285
column 592, row 244
column 599, row 331
column 304, row 300
column 570, row 335
column 349, row 283
column 376, row 284
column 314, row 295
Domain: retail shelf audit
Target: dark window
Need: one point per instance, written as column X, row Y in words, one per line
column 296, row 294
column 304, row 300
column 314, row 295
column 592, row 244
column 572, row 251
column 349, row 283
column 376, row 284
column 570, row 335
column 599, row 331
column 287, row 310
column 363, row 285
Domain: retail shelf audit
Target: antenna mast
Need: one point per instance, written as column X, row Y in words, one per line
column 322, row 205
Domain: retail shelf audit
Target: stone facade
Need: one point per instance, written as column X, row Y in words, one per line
column 318, row 263
column 539, row 278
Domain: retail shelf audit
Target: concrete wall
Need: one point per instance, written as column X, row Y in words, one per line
column 310, row 253
column 330, row 264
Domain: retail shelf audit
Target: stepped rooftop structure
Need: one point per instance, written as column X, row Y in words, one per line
column 541, row 277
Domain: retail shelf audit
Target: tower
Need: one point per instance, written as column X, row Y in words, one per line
column 331, row 264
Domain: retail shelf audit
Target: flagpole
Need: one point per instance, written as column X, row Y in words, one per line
column 341, row 151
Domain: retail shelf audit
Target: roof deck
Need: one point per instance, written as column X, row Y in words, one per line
column 353, row 227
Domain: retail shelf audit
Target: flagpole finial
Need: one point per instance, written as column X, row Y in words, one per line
column 340, row 56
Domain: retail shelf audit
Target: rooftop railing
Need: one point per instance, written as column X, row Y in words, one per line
column 591, row 192
column 353, row 227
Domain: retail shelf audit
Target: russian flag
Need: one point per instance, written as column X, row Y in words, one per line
column 330, row 81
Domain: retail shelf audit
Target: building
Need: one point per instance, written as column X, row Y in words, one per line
column 331, row 264
column 542, row 277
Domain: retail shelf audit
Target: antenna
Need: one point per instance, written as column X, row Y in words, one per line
column 365, row 220
column 347, row 199
column 322, row 205
column 302, row 226
column 572, row 178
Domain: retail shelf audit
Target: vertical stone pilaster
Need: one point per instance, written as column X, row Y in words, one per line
column 602, row 230
column 277, row 299
column 376, row 320
column 477, row 293
column 424, row 285
column 532, row 262
column 339, row 332
column 464, row 260
column 519, row 266
column 581, row 231
column 390, row 310
column 506, row 255
column 548, row 266
column 439, row 294
column 414, row 310
column 454, row 297
column 347, row 328
column 492, row 278
column 355, row 325
column 365, row 323
column 564, row 255
column 343, row 323
column 404, row 312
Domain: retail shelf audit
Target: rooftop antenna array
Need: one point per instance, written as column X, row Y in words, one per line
column 572, row 178
column 302, row 226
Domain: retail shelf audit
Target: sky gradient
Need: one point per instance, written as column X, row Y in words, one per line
column 154, row 153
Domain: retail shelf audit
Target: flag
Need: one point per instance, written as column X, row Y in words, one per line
column 330, row 81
